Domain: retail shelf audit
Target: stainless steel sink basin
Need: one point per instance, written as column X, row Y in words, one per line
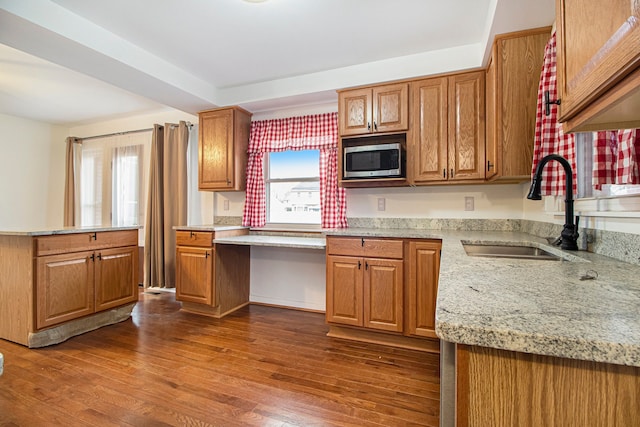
column 504, row 251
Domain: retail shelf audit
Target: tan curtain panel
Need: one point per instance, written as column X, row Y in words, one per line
column 71, row 191
column 167, row 202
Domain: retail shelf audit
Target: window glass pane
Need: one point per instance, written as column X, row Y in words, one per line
column 91, row 187
column 294, row 164
column 294, row 202
column 126, row 181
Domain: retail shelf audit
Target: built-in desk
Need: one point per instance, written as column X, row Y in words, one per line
column 275, row 241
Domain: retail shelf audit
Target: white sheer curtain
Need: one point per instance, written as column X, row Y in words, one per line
column 127, row 205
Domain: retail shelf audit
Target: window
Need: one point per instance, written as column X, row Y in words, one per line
column 292, row 181
column 113, row 180
column 585, row 170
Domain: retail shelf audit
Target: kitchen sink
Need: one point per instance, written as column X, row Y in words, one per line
column 507, row 251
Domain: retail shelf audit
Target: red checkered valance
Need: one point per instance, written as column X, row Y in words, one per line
column 549, row 137
column 313, row 132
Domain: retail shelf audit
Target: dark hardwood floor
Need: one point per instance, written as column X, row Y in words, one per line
column 260, row 366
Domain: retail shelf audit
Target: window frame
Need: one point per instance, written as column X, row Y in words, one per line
column 267, row 184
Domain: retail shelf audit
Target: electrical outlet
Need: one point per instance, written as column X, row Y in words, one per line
column 225, row 205
column 381, row 203
column 469, row 203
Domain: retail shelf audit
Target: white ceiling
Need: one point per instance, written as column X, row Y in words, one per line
column 77, row 61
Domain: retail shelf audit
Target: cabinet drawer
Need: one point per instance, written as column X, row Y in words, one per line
column 76, row 242
column 363, row 246
column 194, row 238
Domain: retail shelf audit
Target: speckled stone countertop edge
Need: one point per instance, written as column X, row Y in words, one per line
column 275, row 241
column 66, row 230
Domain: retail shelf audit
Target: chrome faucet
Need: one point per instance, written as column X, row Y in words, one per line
column 569, row 235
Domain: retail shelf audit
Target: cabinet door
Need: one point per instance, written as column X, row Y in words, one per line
column 512, row 82
column 216, row 156
column 116, row 272
column 64, row 288
column 194, row 275
column 430, row 129
column 391, row 108
column 356, row 116
column 466, row 126
column 598, row 43
column 344, row 290
column 422, row 286
column 383, row 294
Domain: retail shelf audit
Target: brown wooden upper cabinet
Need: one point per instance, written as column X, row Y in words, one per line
column 598, row 59
column 374, row 109
column 222, row 157
column 513, row 74
column 448, row 137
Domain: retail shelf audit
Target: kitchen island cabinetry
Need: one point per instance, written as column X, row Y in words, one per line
column 374, row 109
column 507, row 388
column 598, row 64
column 512, row 79
column 54, row 286
column 211, row 279
column 448, row 135
column 222, row 158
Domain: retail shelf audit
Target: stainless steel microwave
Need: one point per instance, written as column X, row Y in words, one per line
column 374, row 161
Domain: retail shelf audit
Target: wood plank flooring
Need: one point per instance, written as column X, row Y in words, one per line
column 260, row 366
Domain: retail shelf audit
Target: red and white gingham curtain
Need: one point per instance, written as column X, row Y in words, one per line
column 314, row 132
column 549, row 137
column 616, row 157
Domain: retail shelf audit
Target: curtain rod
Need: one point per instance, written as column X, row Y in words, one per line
column 189, row 124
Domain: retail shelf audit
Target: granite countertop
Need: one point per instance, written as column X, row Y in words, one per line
column 533, row 306
column 64, row 230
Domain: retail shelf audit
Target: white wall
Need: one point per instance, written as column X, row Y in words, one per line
column 31, row 174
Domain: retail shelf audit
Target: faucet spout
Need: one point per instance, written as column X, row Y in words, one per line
column 569, row 234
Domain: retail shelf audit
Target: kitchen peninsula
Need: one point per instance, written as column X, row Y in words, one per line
column 58, row 283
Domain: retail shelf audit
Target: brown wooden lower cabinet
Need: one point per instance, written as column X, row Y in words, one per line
column 212, row 280
column 71, row 284
column 381, row 285
column 52, row 280
column 506, row 388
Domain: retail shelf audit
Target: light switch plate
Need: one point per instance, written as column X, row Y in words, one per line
column 381, row 203
column 469, row 203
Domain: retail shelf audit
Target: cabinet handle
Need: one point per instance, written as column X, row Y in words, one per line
column 548, row 102
column 489, row 165
column 366, row 265
column 359, row 265
column 99, row 257
column 192, row 234
column 375, row 125
column 444, row 173
column 451, row 173
column 206, row 254
column 93, row 236
column 368, row 126
column 92, row 257
column 362, row 242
